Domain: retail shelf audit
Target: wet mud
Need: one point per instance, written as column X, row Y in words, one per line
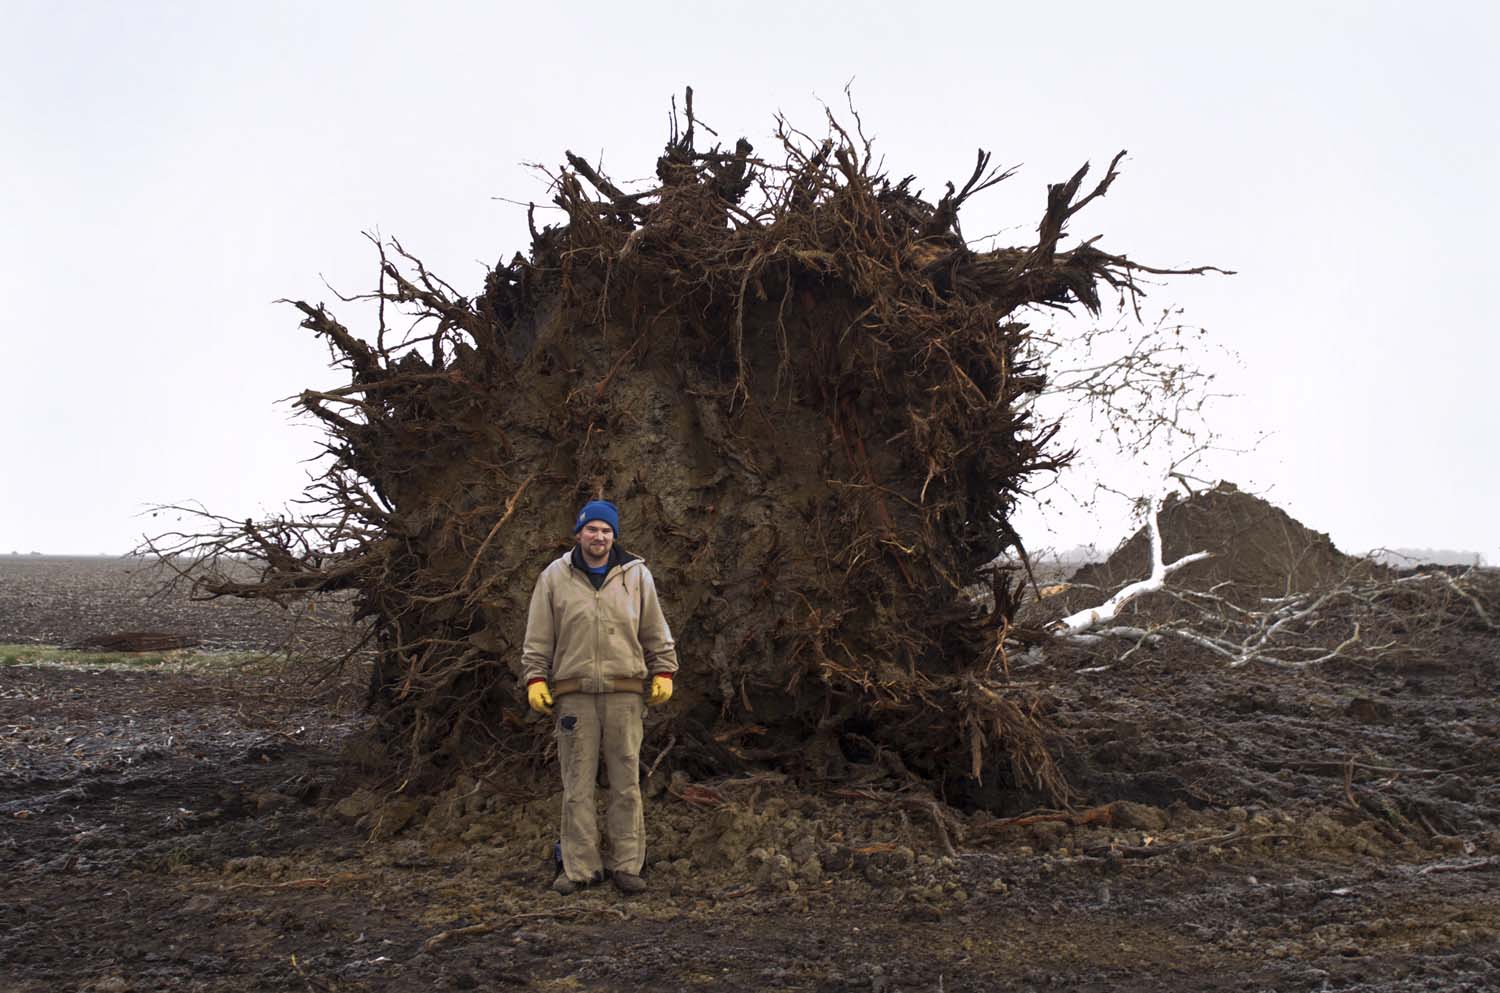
column 1252, row 829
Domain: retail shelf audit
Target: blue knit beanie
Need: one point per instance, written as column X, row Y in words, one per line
column 598, row 510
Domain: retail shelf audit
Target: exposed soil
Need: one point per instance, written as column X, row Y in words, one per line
column 810, row 396
column 1252, row 829
column 1256, row 548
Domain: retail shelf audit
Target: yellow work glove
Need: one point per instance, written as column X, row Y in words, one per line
column 661, row 690
column 539, row 697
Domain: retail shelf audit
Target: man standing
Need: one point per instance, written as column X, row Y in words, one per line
column 595, row 632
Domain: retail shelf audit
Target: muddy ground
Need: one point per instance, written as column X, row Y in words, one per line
column 1252, row 829
column 64, row 600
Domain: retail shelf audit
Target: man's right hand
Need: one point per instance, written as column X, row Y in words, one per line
column 539, row 697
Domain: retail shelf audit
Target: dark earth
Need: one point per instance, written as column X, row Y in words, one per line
column 167, row 827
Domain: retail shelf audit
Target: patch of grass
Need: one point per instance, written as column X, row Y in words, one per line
column 186, row 659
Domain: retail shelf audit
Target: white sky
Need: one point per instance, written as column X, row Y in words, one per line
column 171, row 169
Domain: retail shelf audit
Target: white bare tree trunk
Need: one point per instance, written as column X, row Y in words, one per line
column 1083, row 620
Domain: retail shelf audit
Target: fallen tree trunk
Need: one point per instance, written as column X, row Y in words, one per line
column 813, row 407
column 1081, row 621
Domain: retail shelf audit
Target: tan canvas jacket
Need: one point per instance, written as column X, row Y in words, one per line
column 576, row 632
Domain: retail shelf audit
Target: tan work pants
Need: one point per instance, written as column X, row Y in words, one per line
column 591, row 725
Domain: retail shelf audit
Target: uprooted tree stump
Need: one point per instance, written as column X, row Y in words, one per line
column 812, row 401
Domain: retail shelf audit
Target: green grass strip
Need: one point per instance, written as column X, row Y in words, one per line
column 179, row 660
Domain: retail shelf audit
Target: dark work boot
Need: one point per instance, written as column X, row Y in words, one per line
column 628, row 882
column 563, row 885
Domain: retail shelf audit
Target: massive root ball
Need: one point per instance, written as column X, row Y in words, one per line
column 810, row 399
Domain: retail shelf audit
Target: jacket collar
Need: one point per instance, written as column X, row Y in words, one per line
column 617, row 557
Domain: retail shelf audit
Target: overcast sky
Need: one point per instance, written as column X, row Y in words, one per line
column 171, row 169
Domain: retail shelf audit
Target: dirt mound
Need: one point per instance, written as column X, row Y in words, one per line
column 65, row 600
column 137, row 641
column 1258, row 549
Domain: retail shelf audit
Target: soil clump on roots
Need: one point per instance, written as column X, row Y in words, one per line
column 811, row 400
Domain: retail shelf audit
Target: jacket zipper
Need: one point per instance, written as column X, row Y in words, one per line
column 598, row 665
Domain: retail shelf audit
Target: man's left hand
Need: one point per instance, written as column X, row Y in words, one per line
column 661, row 690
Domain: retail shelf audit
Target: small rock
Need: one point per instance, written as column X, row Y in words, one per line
column 393, row 817
column 802, row 849
column 201, row 904
column 775, row 871
column 355, row 805
column 1139, row 816
column 836, row 859
column 270, row 802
